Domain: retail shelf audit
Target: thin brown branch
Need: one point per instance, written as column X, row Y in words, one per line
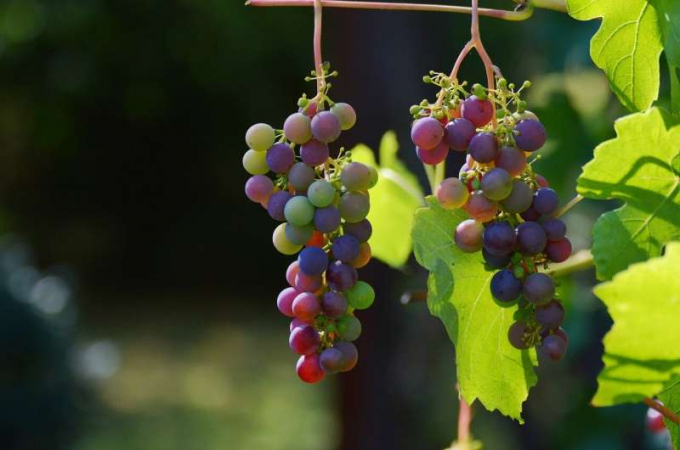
column 667, row 413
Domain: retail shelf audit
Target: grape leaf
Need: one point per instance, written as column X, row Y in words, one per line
column 489, row 368
column 641, row 351
column 641, row 167
column 393, row 201
column 669, row 19
column 670, row 397
column 627, row 46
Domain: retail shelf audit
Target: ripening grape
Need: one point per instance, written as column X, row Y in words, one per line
column 531, row 238
column 546, row 201
column 538, row 288
column 309, row 369
column 531, row 214
column 308, row 283
column 301, row 176
column 304, row 340
column 361, row 230
column 459, row 132
column 484, row 147
column 496, row 184
column 299, row 211
column 313, row 261
column 434, row 156
column 349, row 328
column 452, row 193
column 468, row 236
column 345, row 248
column 281, row 242
column 317, row 239
column 297, row 128
column 361, row 296
column 341, row 277
column 327, row 220
column 517, row 335
column 255, row 163
column 280, row 157
column 529, row 135
column 292, row 272
column 314, row 153
column 310, row 110
column 297, row 323
column 306, row 306
column 480, row 207
column 333, row 304
column 321, row 193
column 477, row 111
column 554, row 229
column 355, row 176
column 496, row 262
column 285, row 301
column 499, row 238
column 427, row 133
column 505, row 286
column 542, row 182
column 299, row 235
column 520, row 198
column 259, row 188
column 553, row 347
column 260, row 137
column 654, row 420
column 364, row 256
column 325, row 127
column 345, row 114
column 350, row 355
column 354, row 206
column 550, row 315
column 558, row 251
column 331, row 360
column 373, row 177
column 511, row 160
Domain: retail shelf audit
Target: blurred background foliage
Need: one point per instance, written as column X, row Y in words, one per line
column 137, row 307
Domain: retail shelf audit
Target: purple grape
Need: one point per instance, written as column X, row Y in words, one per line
column 297, row 128
column 259, row 188
column 349, row 328
column 427, row 133
column 538, row 288
column 546, row 201
column 530, row 135
column 297, row 323
column 496, row 262
column 550, row 315
column 355, row 176
column 308, row 283
column 301, row 176
column 531, row 238
column 314, row 153
column 354, row 206
column 346, row 248
column 505, row 286
column 333, row 304
column 558, row 251
column 499, row 239
column 331, row 360
column 480, row 207
column 434, row 156
column 341, row 277
column 308, row 368
column 360, row 230
column 277, row 204
column 496, row 184
column 350, row 355
column 284, row 302
column 553, row 347
column 531, row 215
column 313, row 261
column 520, row 198
column 304, row 340
column 280, row 157
column 477, row 111
column 291, row 272
column 327, row 220
column 554, row 229
column 306, row 306
column 468, row 236
column 459, row 132
column 484, row 147
column 512, row 160
column 517, row 335
column 325, row 127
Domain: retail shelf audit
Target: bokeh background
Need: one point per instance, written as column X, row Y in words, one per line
column 138, row 284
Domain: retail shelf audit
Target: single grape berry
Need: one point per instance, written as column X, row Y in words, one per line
column 345, row 114
column 538, row 288
column 553, row 347
column 306, row 306
column 321, row 193
column 277, row 204
column 280, row 157
column 331, row 360
column 529, row 135
column 309, row 369
column 558, row 251
column 313, row 261
column 284, row 301
column 297, row 323
column 364, row 256
column 361, row 230
column 341, row 277
column 346, row 248
column 531, row 238
column 459, row 132
column 480, row 207
column 520, row 198
column 317, row 240
column 350, row 355
column 304, row 340
column 355, row 176
column 325, row 127
column 259, row 188
column 542, row 182
column 505, row 286
column 452, row 193
column 484, row 147
column 291, row 272
column 512, row 160
column 496, row 262
column 349, row 328
column 281, row 242
column 299, row 211
column 545, row 201
column 314, row 153
column 531, row 214
column 434, row 156
column 496, row 184
column 354, row 206
column 550, row 315
column 499, row 238
column 255, row 163
column 361, row 296
column 517, row 335
column 427, row 133
column 260, row 137
column 373, row 177
column 477, row 111
column 308, row 283
column 654, row 420
column 333, row 304
column 301, row 176
column 299, row 235
column 468, row 236
column 554, row 229
column 297, row 128
column 327, row 219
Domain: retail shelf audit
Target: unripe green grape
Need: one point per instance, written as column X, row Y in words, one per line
column 299, row 211
column 299, row 235
column 361, row 296
column 354, row 206
column 452, row 193
column 255, row 163
column 355, row 176
column 373, row 180
column 281, row 242
column 321, row 193
column 496, row 184
column 260, row 137
column 345, row 114
column 349, row 328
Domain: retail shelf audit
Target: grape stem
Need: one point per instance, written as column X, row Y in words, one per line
column 667, row 413
column 581, row 260
column 464, row 420
column 318, row 60
column 573, row 202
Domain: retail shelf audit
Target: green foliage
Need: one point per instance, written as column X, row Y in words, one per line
column 641, row 354
column 627, row 46
column 641, row 167
column 393, row 201
column 669, row 18
column 670, row 397
column 489, row 368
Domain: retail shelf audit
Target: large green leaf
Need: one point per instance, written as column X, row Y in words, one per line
column 627, row 46
column 669, row 18
column 641, row 167
column 393, row 201
column 641, row 351
column 489, row 368
column 670, row 397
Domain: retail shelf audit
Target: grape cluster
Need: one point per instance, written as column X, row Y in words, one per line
column 511, row 208
column 322, row 203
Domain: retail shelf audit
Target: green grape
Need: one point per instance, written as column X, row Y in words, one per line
column 299, row 235
column 299, row 211
column 373, row 180
column 281, row 242
column 361, row 296
column 260, row 137
column 255, row 163
column 321, row 193
column 354, row 206
column 349, row 328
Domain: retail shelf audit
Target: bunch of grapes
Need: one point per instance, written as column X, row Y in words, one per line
column 322, row 203
column 511, row 208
